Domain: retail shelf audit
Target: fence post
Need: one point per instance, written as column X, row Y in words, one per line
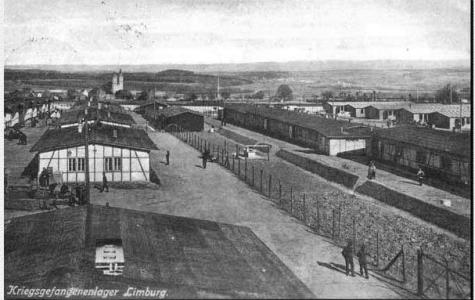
column 239, row 168
column 270, row 185
column 333, row 224
column 291, row 202
column 280, row 193
column 233, row 164
column 261, row 181
column 354, row 233
column 318, row 214
column 222, row 156
column 377, row 248
column 447, row 279
column 339, row 221
column 420, row 270
column 253, row 184
column 245, row 171
column 403, row 264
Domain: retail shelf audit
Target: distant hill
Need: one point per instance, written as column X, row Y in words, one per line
column 291, row 66
column 170, row 79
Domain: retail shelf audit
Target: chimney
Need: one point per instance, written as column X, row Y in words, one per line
column 114, row 133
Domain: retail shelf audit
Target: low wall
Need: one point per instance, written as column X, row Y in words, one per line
column 330, row 173
column 458, row 224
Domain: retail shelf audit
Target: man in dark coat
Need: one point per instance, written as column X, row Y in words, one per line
column 363, row 261
column 104, row 182
column 167, row 157
column 348, row 255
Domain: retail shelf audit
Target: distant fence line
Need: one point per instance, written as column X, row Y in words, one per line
column 317, row 212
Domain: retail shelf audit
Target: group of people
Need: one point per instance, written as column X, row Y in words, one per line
column 348, row 253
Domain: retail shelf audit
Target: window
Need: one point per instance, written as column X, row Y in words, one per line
column 72, row 164
column 117, row 163
column 113, row 164
column 80, row 164
column 362, row 110
column 108, row 163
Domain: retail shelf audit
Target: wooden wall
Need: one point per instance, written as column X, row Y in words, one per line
column 135, row 163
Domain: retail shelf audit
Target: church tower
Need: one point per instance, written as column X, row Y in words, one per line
column 117, row 82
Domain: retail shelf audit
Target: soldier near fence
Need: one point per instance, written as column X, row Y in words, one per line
column 167, row 157
column 348, row 256
column 420, row 176
column 363, row 261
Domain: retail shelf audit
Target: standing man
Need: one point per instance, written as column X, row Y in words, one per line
column 104, row 182
column 348, row 255
column 363, row 261
column 420, row 175
column 204, row 159
column 167, row 157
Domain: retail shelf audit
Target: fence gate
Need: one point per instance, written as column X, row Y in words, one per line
column 436, row 280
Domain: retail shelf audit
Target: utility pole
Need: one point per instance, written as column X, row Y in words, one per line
column 86, row 144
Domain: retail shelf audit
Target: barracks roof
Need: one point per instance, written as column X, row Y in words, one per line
column 189, row 258
column 328, row 127
column 99, row 134
column 446, row 141
column 450, row 110
column 72, row 116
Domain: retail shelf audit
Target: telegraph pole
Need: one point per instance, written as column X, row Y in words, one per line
column 86, row 144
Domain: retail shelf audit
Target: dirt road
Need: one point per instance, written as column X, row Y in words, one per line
column 216, row 194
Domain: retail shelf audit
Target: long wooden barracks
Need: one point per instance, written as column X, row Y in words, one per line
column 122, row 153
column 326, row 136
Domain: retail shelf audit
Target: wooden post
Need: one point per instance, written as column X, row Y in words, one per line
column 270, row 185
column 403, row 264
column 245, row 170
column 420, row 271
column 261, row 180
column 239, row 168
column 339, row 221
column 354, row 233
column 447, row 280
column 222, row 156
column 280, row 193
column 233, row 164
column 333, row 225
column 291, row 202
column 377, row 248
column 318, row 215
column 253, row 184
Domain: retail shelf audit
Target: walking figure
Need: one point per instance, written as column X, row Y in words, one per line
column 167, row 157
column 420, row 175
column 348, row 255
column 363, row 261
column 104, row 182
column 371, row 170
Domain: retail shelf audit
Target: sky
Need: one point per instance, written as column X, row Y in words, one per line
column 99, row 32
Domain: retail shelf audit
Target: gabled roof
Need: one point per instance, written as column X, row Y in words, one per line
column 363, row 104
column 188, row 258
column 451, row 109
column 389, row 105
column 457, row 110
column 72, row 116
column 170, row 111
column 175, row 110
column 99, row 134
column 327, row 127
column 446, row 141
